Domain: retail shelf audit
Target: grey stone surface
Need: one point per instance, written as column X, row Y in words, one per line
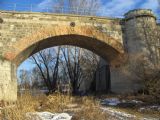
column 22, row 34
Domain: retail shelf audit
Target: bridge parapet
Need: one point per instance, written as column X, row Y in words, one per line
column 16, row 25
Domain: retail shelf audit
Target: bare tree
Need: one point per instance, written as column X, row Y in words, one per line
column 47, row 62
column 24, row 79
column 58, row 7
column 70, row 65
column 79, row 65
column 72, row 60
column 36, row 81
column 151, row 70
column 159, row 11
column 82, row 7
column 85, row 7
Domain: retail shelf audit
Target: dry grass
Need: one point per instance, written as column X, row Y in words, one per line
column 88, row 107
column 55, row 103
column 26, row 103
column 90, row 111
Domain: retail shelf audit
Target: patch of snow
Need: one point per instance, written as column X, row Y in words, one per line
column 149, row 119
column 110, row 101
column 48, row 116
column 116, row 101
column 118, row 114
column 136, row 101
column 150, row 108
column 129, row 103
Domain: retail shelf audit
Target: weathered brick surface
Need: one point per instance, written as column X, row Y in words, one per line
column 23, row 34
column 21, row 30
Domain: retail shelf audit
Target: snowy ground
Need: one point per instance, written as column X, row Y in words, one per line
column 111, row 104
column 108, row 106
column 118, row 109
column 48, row 116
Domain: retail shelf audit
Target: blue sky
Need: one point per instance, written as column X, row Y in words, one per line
column 111, row 8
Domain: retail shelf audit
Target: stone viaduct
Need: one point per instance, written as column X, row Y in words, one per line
column 22, row 34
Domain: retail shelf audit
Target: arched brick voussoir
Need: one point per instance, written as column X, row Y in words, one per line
column 48, row 32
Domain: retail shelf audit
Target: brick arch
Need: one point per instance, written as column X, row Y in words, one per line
column 83, row 36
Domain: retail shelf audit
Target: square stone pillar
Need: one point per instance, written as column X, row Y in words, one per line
column 8, row 81
column 123, row 82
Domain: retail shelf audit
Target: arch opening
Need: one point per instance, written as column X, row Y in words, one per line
column 85, row 37
column 107, row 52
column 95, row 71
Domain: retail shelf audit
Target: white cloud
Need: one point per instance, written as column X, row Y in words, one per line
column 44, row 5
column 112, row 8
column 117, row 8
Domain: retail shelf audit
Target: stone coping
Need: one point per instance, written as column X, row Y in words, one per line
column 139, row 13
column 55, row 14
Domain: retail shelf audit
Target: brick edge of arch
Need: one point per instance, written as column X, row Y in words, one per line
column 46, row 32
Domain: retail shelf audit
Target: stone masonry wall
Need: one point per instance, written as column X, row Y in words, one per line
column 18, row 25
column 15, row 25
column 8, row 81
